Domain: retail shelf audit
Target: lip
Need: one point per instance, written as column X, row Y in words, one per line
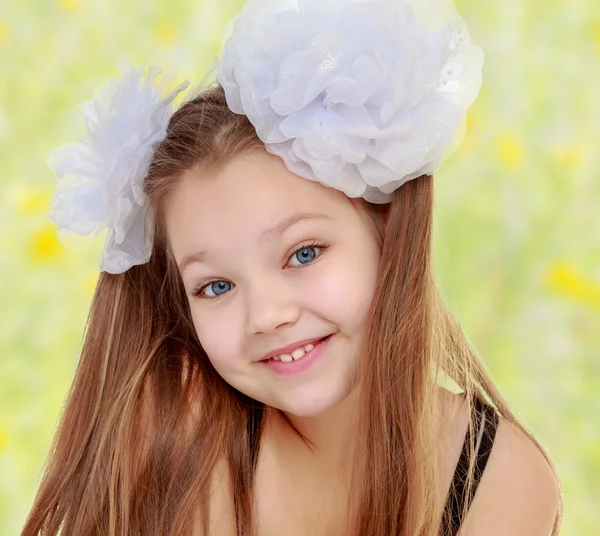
column 305, row 362
column 290, row 347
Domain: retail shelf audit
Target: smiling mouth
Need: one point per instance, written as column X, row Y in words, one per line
column 293, row 356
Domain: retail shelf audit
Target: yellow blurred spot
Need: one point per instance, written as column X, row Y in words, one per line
column 472, row 126
column 3, row 439
column 164, row 34
column 472, row 119
column 69, row 5
column 565, row 279
column 45, row 245
column 89, row 283
column 596, row 37
column 509, row 151
column 30, row 202
column 3, row 33
column 571, row 155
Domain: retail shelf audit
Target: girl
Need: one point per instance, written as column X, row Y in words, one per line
column 265, row 354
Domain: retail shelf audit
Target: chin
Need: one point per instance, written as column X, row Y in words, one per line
column 315, row 405
column 306, row 412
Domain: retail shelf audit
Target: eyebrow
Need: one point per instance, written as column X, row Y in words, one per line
column 266, row 235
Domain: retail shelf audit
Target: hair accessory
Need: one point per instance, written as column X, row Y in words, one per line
column 100, row 179
column 360, row 95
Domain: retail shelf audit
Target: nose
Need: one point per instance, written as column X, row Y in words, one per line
column 269, row 306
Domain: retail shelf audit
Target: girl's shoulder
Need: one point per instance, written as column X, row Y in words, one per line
column 517, row 492
column 221, row 506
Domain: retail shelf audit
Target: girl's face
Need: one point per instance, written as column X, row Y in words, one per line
column 255, row 289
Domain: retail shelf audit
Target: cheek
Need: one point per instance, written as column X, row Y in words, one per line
column 215, row 337
column 345, row 292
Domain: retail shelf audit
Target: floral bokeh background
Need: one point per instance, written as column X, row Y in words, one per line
column 517, row 218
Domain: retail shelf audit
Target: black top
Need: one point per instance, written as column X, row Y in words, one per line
column 485, row 425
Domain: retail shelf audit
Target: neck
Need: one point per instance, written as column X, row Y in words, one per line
column 324, row 440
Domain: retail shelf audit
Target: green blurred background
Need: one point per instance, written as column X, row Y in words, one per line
column 517, row 233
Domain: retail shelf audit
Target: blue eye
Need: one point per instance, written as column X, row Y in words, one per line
column 218, row 284
column 305, row 252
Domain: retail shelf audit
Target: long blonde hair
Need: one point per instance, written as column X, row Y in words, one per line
column 147, row 416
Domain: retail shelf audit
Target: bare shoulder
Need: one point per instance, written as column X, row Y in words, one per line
column 518, row 493
column 222, row 510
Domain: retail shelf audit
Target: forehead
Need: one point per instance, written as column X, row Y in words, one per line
column 237, row 202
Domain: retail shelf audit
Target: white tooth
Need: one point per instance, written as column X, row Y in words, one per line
column 286, row 358
column 298, row 353
column 276, row 358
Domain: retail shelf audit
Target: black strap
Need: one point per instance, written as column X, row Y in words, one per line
column 484, row 416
